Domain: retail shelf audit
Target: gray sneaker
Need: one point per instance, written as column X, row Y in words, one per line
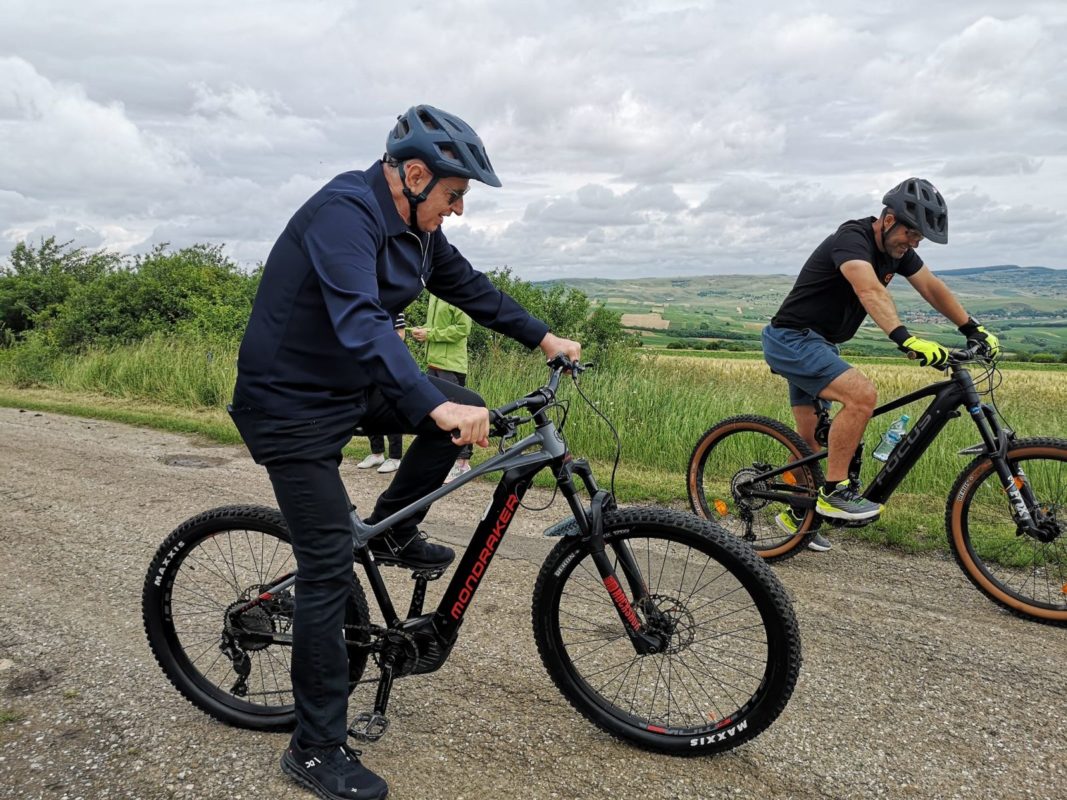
column 819, row 543
column 845, row 503
column 789, row 522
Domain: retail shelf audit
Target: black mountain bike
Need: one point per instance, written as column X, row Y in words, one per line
column 1006, row 515
column 657, row 626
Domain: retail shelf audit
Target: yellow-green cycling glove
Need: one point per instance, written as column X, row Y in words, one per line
column 977, row 334
column 928, row 353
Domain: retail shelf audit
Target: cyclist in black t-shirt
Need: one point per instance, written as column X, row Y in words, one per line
column 843, row 281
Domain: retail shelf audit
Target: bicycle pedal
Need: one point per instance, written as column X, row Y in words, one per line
column 856, row 523
column 370, row 726
column 428, row 574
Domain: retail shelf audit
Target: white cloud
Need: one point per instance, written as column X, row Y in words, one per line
column 992, row 164
column 56, row 138
column 631, row 137
column 996, row 74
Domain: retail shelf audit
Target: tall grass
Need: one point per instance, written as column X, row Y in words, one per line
column 660, row 406
column 183, row 373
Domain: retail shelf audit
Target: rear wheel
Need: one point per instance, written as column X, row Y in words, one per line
column 1023, row 572
column 235, row 668
column 724, row 469
column 730, row 651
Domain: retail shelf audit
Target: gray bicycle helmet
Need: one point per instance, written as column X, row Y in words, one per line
column 918, row 205
column 446, row 144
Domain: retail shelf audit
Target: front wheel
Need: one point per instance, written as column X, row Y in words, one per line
column 725, row 479
column 731, row 649
column 1024, row 572
column 235, row 668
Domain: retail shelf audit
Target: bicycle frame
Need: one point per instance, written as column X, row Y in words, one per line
column 519, row 466
column 948, row 396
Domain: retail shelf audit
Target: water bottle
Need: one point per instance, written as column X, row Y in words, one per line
column 891, row 437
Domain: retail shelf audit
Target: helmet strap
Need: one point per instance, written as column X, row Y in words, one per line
column 885, row 232
column 415, row 199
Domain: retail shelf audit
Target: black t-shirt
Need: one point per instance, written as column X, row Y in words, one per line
column 822, row 298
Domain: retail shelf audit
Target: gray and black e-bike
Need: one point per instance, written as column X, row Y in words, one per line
column 657, row 626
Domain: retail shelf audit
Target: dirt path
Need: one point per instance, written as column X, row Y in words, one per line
column 914, row 686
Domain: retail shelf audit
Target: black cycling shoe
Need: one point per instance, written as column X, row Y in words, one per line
column 411, row 550
column 332, row 772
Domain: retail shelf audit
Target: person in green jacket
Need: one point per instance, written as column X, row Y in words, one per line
column 445, row 334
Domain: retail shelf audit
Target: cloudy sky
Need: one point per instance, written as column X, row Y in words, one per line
column 658, row 137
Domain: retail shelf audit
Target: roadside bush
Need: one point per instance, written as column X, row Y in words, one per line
column 568, row 313
column 196, row 290
column 72, row 300
column 36, row 281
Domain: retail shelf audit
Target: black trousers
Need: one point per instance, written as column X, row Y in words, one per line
column 460, row 379
column 302, row 458
column 396, row 444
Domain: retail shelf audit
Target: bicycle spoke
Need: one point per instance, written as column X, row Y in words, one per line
column 1030, row 572
column 714, row 657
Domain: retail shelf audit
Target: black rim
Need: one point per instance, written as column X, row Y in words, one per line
column 735, row 458
column 1031, row 571
column 717, row 663
column 219, row 571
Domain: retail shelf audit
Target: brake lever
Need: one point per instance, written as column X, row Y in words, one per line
column 503, row 426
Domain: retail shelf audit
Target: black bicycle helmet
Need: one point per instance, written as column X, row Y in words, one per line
column 446, row 144
column 918, row 205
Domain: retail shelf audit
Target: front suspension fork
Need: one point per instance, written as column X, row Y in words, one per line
column 1026, row 510
column 591, row 525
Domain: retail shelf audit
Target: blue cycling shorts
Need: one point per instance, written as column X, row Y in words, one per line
column 804, row 358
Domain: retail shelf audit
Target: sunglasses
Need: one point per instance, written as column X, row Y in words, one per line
column 455, row 195
column 914, row 235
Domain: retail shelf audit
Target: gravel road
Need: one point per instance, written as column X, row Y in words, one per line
column 913, row 686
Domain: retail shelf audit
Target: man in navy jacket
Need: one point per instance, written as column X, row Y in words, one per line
column 320, row 357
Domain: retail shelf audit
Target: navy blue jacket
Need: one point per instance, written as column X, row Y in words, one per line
column 321, row 330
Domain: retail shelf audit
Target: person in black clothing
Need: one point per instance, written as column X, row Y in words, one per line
column 843, row 281
column 320, row 357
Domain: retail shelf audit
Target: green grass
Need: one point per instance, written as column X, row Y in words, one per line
column 659, row 405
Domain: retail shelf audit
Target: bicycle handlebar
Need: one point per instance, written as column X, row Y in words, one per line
column 956, row 357
column 501, row 424
column 972, row 353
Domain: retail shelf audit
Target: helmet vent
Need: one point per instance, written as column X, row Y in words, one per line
column 476, row 154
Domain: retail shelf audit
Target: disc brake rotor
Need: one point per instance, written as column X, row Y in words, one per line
column 672, row 620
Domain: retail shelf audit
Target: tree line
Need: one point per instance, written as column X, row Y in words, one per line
column 55, row 297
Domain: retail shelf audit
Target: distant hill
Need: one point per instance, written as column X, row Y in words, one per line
column 734, row 308
column 998, row 268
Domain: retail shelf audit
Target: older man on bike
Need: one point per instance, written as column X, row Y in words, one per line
column 844, row 280
column 320, row 357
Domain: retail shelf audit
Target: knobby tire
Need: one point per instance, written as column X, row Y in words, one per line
column 207, row 564
column 747, row 445
column 733, row 653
